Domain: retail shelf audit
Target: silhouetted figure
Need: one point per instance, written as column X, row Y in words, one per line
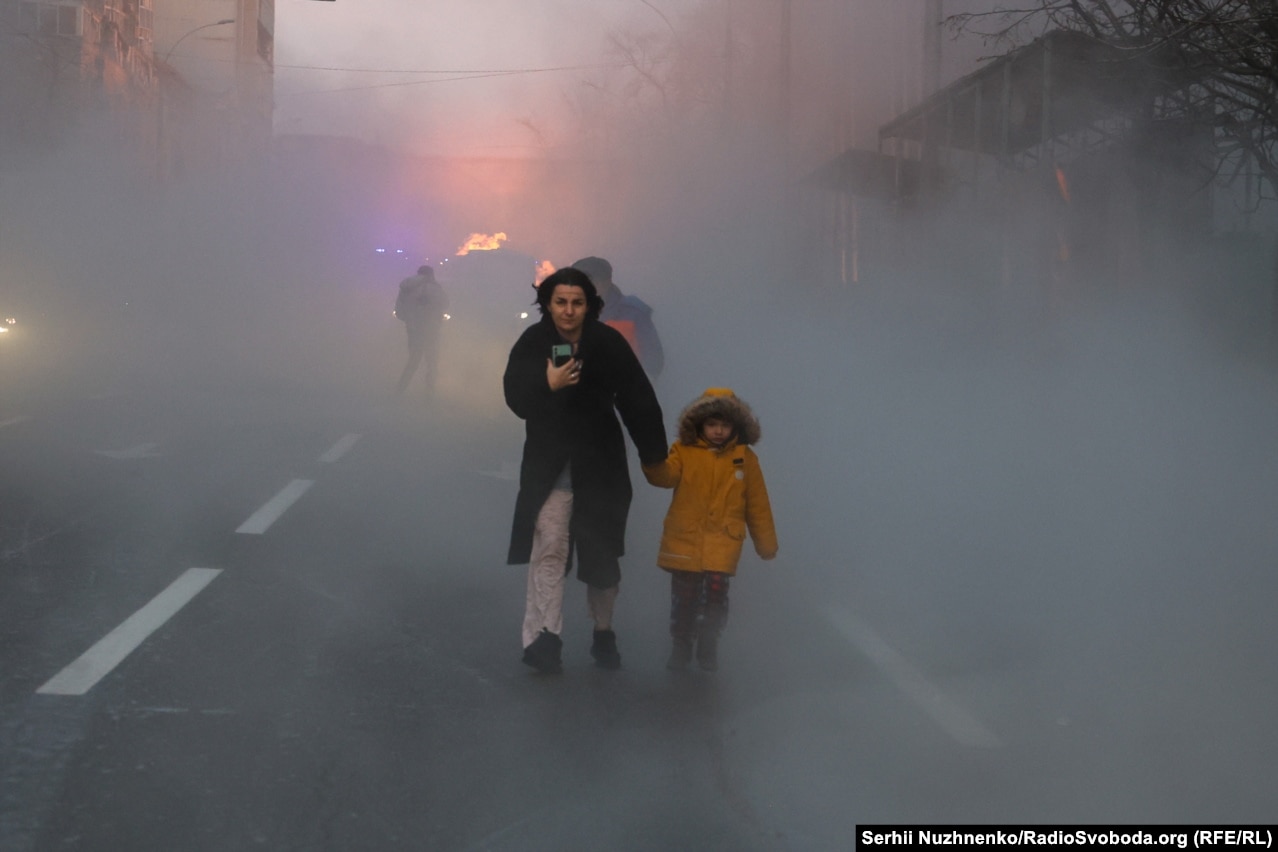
column 421, row 305
column 630, row 315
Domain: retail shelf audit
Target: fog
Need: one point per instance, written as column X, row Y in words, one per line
column 1061, row 508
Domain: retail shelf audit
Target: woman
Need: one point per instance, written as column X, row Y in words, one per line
column 567, row 377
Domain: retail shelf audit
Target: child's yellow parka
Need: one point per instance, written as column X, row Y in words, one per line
column 719, row 494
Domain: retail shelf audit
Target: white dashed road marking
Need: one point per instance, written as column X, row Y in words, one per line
column 95, row 663
column 261, row 520
column 339, row 449
column 14, row 420
column 952, row 718
column 137, row 451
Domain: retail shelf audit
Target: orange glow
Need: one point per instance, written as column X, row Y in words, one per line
column 544, row 268
column 1062, row 183
column 481, row 242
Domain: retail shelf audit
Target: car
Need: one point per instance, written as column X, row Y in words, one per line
column 491, row 292
column 491, row 295
column 15, row 351
column 14, row 335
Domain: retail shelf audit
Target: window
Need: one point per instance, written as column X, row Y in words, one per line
column 265, row 45
column 266, row 31
column 50, row 17
column 145, row 23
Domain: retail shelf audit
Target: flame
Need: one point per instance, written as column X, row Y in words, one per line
column 544, row 268
column 1062, row 184
column 481, row 242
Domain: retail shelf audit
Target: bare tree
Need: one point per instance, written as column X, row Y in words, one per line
column 1213, row 62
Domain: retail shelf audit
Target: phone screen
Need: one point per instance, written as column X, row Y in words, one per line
column 561, row 353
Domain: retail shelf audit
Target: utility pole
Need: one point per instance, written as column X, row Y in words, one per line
column 933, row 20
column 726, row 117
column 783, row 100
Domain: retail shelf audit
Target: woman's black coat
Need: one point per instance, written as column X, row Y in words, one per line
column 579, row 424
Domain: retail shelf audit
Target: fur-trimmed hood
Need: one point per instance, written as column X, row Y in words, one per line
column 719, row 402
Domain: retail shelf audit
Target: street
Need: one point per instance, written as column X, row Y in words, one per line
column 1006, row 598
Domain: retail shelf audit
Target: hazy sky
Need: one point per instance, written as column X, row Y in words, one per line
column 402, row 66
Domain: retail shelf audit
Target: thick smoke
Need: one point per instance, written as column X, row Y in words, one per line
column 1066, row 490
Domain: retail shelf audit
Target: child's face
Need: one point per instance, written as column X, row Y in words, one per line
column 716, row 431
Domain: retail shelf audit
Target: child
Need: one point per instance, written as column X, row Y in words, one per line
column 719, row 494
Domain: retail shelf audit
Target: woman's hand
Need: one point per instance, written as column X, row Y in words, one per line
column 563, row 376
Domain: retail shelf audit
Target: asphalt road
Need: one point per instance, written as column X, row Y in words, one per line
column 317, row 642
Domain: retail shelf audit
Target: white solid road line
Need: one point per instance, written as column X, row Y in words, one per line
column 261, row 520
column 94, row 664
column 339, row 449
column 955, row 721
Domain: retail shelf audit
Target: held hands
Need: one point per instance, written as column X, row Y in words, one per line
column 563, row 376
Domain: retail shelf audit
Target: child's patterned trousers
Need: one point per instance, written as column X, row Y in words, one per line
column 698, row 604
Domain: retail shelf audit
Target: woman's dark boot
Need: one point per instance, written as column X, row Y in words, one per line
column 544, row 653
column 604, row 650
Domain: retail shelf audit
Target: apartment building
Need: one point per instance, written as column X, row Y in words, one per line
column 178, row 85
column 214, row 63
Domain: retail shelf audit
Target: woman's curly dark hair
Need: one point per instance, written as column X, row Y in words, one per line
column 573, row 278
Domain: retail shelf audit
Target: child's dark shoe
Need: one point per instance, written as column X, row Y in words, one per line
column 708, row 653
column 680, row 656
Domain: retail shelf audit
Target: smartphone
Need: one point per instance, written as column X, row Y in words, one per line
column 560, row 354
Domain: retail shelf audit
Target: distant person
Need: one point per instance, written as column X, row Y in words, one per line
column 628, row 314
column 421, row 305
column 719, row 494
column 567, row 378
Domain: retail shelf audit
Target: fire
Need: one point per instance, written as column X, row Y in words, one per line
column 1062, row 183
column 544, row 268
column 481, row 242
column 1062, row 236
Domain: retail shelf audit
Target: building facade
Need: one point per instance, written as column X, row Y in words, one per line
column 174, row 85
column 71, row 65
column 214, row 61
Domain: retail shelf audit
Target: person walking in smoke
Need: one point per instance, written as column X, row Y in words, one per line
column 719, row 493
column 421, row 305
column 628, row 314
column 567, row 378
